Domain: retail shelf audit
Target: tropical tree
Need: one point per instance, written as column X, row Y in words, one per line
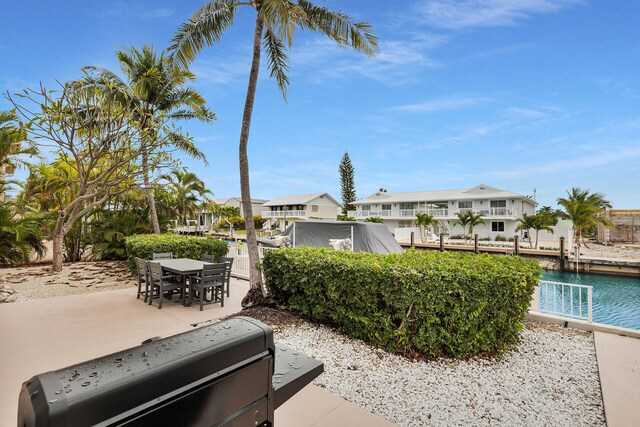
column 463, row 221
column 188, row 194
column 583, row 209
column 537, row 222
column 347, row 184
column 375, row 219
column 474, row 220
column 20, row 235
column 553, row 214
column 96, row 139
column 12, row 137
column 275, row 24
column 424, row 221
column 468, row 219
column 153, row 86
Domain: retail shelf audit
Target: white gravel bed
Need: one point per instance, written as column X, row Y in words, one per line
column 551, row 380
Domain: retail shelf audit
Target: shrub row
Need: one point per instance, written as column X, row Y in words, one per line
column 145, row 245
column 429, row 303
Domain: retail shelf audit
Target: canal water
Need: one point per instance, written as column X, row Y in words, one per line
column 616, row 299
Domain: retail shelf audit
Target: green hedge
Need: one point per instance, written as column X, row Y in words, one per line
column 430, row 303
column 145, row 245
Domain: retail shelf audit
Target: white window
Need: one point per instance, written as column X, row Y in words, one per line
column 366, row 207
column 386, row 207
column 498, row 203
column 465, row 205
column 407, row 205
column 497, row 226
column 314, row 208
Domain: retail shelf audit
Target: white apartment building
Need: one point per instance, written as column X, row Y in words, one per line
column 500, row 209
column 284, row 210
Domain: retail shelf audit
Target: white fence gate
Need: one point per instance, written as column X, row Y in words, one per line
column 240, row 256
column 564, row 299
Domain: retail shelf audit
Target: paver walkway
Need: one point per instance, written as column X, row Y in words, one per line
column 619, row 368
column 42, row 335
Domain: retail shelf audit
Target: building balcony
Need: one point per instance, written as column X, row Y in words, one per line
column 284, row 214
column 443, row 214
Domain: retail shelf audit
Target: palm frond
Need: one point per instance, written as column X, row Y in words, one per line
column 338, row 27
column 205, row 28
column 185, row 143
column 277, row 60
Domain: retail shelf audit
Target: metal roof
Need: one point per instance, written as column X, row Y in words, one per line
column 298, row 199
column 239, row 199
column 481, row 191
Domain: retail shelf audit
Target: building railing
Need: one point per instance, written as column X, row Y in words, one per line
column 284, row 214
column 564, row 299
column 436, row 213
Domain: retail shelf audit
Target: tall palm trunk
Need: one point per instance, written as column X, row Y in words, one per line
column 150, row 194
column 256, row 293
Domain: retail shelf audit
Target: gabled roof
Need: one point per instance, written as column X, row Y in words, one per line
column 298, row 199
column 480, row 191
column 239, row 199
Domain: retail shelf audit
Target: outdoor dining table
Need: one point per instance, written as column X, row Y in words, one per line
column 183, row 267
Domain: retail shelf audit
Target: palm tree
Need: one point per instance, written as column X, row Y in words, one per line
column 539, row 221
column 583, row 209
column 187, row 192
column 474, row 220
column 20, row 235
column 468, row 219
column 12, row 135
column 275, row 24
column 424, row 220
column 156, row 86
column 463, row 221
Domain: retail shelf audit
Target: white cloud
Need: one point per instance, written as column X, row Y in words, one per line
column 398, row 62
column 459, row 14
column 571, row 164
column 443, row 104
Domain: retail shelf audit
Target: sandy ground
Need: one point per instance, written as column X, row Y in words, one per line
column 35, row 282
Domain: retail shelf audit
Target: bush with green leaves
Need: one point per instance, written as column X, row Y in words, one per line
column 145, row 245
column 375, row 219
column 427, row 303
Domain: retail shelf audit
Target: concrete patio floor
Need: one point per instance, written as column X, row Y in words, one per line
column 47, row 334
column 619, row 367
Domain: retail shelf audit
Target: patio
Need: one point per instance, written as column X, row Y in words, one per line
column 52, row 333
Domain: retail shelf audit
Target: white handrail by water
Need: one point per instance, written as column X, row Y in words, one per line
column 564, row 299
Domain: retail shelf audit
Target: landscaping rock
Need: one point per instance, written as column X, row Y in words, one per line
column 7, row 294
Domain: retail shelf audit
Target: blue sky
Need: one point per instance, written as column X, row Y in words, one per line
column 517, row 94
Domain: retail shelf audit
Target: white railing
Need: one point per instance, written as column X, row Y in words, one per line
column 284, row 214
column 564, row 299
column 436, row 213
column 240, row 255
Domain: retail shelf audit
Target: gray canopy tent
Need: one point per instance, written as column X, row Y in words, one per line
column 364, row 236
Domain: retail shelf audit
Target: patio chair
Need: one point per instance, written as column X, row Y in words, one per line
column 162, row 284
column 228, row 261
column 163, row 255
column 143, row 277
column 211, row 279
column 208, row 258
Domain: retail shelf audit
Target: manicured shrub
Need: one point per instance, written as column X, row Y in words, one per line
column 145, row 245
column 429, row 303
